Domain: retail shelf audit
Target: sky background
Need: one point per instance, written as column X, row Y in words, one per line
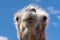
column 9, row 7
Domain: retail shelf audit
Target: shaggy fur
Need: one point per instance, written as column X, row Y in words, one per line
column 31, row 23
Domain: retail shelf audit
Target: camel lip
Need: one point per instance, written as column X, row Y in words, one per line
column 30, row 21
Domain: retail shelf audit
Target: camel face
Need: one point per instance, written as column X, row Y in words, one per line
column 31, row 23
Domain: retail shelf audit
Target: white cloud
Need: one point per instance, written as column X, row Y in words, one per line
column 52, row 10
column 3, row 38
column 54, row 24
column 58, row 17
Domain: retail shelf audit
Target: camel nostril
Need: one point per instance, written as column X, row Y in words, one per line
column 33, row 9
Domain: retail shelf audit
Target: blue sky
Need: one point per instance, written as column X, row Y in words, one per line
column 9, row 7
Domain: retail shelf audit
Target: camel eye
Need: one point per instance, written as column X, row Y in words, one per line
column 44, row 18
column 17, row 19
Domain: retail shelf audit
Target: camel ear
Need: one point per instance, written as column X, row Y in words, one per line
column 17, row 17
